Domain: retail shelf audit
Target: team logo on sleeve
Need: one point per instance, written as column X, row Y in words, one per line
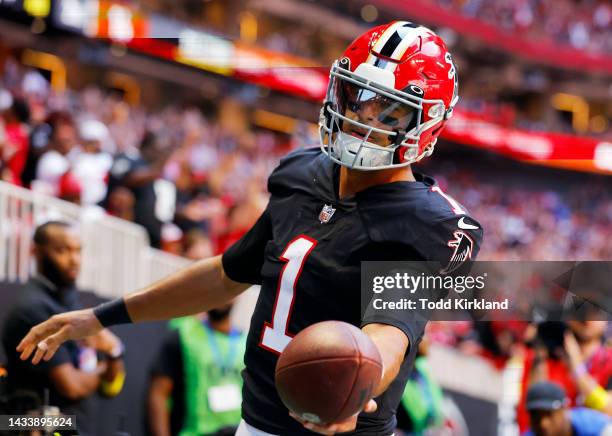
column 463, row 246
column 462, row 224
column 326, row 213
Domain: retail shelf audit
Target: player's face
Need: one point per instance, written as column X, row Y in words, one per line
column 375, row 115
column 550, row 423
column 368, row 108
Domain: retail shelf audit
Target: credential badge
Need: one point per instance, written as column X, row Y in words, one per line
column 326, row 213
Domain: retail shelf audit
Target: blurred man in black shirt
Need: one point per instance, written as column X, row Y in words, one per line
column 141, row 174
column 74, row 374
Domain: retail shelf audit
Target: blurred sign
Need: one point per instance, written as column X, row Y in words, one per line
column 280, row 71
column 206, row 51
column 546, row 148
column 121, row 22
column 79, row 16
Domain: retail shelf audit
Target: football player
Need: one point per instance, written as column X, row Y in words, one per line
column 353, row 200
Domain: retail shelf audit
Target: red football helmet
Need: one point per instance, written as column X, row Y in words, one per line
column 388, row 98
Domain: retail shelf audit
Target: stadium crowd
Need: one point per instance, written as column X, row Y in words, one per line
column 93, row 148
column 583, row 25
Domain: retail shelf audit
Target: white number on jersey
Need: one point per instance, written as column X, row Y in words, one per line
column 456, row 206
column 275, row 337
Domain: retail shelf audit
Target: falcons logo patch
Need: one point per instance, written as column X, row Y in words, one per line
column 463, row 246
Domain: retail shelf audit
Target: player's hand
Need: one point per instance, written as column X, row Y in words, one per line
column 337, row 427
column 45, row 338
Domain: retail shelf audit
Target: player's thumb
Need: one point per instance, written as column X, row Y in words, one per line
column 370, row 407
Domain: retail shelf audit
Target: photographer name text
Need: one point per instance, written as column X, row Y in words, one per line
column 454, row 304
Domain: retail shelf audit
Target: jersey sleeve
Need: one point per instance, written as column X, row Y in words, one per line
column 448, row 246
column 452, row 242
column 242, row 262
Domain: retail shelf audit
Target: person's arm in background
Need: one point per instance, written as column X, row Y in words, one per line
column 167, row 369
column 73, row 383
column 595, row 396
column 113, row 377
column 160, row 391
column 146, row 174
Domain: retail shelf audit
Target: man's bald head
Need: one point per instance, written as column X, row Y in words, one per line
column 44, row 232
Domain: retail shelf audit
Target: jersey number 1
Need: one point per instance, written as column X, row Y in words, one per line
column 275, row 336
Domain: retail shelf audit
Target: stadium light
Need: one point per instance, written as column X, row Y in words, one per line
column 578, row 106
column 248, row 27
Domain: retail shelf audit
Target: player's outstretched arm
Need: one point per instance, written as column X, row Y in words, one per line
column 201, row 286
column 392, row 345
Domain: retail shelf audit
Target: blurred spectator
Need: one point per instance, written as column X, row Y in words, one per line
column 14, row 141
column 124, row 131
column 91, row 166
column 197, row 246
column 120, row 203
column 577, row 359
column 502, row 340
column 198, row 372
column 141, row 174
column 74, row 373
column 55, row 161
column 550, row 414
column 70, row 189
column 40, row 134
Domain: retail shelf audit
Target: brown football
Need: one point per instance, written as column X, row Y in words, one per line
column 328, row 372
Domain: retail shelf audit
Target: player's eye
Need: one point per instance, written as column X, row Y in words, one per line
column 389, row 121
column 354, row 106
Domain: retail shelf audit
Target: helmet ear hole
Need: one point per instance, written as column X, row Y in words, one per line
column 345, row 63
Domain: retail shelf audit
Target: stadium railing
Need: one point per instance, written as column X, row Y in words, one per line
column 116, row 258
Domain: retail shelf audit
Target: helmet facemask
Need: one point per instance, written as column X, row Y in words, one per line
column 366, row 125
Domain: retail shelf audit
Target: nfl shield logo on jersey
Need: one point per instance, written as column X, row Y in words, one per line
column 326, row 213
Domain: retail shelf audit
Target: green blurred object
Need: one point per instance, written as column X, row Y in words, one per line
column 422, row 398
column 205, row 368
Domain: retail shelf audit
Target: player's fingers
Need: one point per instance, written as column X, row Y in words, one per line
column 40, row 352
column 53, row 342
column 370, row 407
column 29, row 340
column 27, row 352
column 38, row 333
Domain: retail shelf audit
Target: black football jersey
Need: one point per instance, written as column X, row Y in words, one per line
column 305, row 251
